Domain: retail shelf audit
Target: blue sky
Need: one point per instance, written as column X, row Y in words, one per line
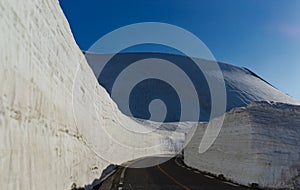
column 262, row 35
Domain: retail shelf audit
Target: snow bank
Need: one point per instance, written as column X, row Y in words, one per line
column 42, row 145
column 257, row 144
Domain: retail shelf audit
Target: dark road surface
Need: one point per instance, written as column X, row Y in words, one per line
column 171, row 175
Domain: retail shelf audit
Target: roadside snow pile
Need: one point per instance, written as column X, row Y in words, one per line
column 257, row 144
column 42, row 144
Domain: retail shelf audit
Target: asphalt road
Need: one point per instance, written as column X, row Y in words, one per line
column 171, row 175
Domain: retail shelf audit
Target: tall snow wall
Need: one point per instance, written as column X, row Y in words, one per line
column 257, row 144
column 41, row 142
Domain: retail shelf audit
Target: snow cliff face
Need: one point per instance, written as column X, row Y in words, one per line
column 40, row 146
column 50, row 135
column 257, row 144
column 242, row 85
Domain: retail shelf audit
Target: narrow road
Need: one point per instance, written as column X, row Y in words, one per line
column 171, row 175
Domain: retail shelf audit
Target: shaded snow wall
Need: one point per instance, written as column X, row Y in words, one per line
column 41, row 146
column 257, row 144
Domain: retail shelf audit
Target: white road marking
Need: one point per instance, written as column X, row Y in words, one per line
column 230, row 183
column 180, row 165
column 122, row 178
column 122, row 175
column 209, row 176
column 176, row 161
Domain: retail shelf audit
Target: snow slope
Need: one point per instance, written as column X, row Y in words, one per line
column 257, row 144
column 50, row 133
column 242, row 85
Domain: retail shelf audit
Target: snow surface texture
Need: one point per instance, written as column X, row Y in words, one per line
column 257, row 144
column 42, row 145
column 242, row 85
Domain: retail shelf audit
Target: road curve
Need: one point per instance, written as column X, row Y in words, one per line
column 171, row 175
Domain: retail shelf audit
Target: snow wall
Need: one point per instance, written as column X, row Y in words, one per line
column 257, row 144
column 41, row 142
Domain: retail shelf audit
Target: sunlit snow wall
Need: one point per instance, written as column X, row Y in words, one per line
column 41, row 142
column 258, row 144
column 40, row 147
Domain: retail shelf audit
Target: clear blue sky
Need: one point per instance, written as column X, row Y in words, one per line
column 262, row 35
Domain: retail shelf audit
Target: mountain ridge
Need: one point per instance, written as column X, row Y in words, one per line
column 243, row 86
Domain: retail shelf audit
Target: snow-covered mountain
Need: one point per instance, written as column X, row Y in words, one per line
column 242, row 85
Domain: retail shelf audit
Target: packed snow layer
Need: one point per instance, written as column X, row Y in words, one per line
column 242, row 85
column 42, row 144
column 257, row 144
